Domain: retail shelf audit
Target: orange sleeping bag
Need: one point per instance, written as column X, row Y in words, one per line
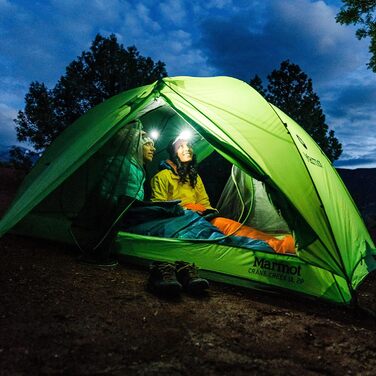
column 230, row 227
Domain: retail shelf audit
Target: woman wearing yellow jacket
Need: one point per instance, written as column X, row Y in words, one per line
column 179, row 180
column 166, row 186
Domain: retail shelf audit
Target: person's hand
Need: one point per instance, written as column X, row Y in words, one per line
column 209, row 211
column 198, row 208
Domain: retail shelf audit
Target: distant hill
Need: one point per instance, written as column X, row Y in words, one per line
column 361, row 183
column 5, row 152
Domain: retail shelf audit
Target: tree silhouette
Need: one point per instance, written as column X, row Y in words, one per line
column 256, row 83
column 361, row 12
column 105, row 70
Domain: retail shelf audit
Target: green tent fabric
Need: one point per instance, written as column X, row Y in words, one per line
column 335, row 252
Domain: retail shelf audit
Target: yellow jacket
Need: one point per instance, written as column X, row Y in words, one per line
column 165, row 186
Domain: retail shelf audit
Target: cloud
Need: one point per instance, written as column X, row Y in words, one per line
column 218, row 4
column 359, row 146
column 12, row 90
column 241, row 45
column 176, row 50
column 354, row 101
column 257, row 39
column 30, row 50
column 39, row 43
column 171, row 42
column 357, row 162
column 173, row 10
column 350, row 111
column 214, row 37
column 144, row 14
column 5, row 6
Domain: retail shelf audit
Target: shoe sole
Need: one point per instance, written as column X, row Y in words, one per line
column 167, row 291
column 198, row 287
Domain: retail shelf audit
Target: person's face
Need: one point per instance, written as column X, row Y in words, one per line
column 184, row 151
column 148, row 152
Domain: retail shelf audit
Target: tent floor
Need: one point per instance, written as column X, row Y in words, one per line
column 230, row 264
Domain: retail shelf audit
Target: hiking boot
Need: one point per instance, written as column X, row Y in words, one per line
column 187, row 275
column 162, row 279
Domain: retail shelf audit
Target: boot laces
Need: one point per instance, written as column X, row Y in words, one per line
column 167, row 271
column 190, row 269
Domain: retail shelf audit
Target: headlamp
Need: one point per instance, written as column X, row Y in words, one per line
column 154, row 134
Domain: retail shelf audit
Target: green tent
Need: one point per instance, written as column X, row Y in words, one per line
column 334, row 250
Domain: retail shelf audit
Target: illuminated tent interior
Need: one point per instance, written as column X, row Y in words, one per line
column 260, row 169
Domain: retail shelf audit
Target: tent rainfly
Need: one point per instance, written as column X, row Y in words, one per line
column 334, row 252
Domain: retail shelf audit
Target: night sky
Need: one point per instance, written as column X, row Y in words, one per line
column 199, row 38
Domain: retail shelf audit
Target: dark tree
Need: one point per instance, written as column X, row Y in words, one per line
column 105, row 70
column 38, row 123
column 21, row 159
column 291, row 90
column 256, row 83
column 362, row 13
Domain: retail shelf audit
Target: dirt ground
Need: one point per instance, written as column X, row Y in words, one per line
column 60, row 317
